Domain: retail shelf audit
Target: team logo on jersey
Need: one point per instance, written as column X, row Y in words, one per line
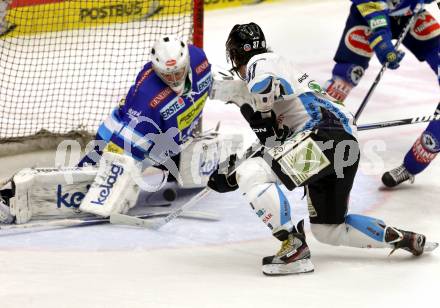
column 356, row 39
column 425, row 27
column 160, row 97
column 202, row 67
column 172, row 108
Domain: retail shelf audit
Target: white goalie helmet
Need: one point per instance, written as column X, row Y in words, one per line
column 170, row 58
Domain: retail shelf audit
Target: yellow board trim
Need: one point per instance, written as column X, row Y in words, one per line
column 77, row 14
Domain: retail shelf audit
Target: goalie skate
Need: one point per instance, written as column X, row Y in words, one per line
column 292, row 258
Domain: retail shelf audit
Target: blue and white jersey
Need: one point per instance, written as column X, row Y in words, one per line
column 153, row 121
column 301, row 103
column 372, row 9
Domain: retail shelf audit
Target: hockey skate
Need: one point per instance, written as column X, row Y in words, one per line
column 414, row 243
column 396, row 176
column 292, row 258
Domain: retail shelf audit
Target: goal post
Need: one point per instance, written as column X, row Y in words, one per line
column 66, row 63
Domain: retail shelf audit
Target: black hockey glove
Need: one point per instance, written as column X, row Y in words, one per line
column 221, row 182
column 264, row 125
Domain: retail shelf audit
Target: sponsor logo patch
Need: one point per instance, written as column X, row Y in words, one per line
column 172, row 108
column 378, row 22
column 421, row 153
column 356, row 39
column 371, row 7
column 115, row 172
column 303, row 77
column 69, row 200
column 204, row 83
column 144, row 76
column 202, row 67
column 425, row 27
column 185, row 119
column 160, row 97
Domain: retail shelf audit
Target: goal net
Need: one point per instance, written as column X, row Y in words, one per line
column 66, row 63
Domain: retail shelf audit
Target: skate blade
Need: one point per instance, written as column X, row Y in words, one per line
column 430, row 246
column 297, row 267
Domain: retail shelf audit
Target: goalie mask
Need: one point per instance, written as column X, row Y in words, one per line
column 244, row 42
column 170, row 58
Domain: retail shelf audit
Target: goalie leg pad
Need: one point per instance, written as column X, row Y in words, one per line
column 114, row 189
column 42, row 193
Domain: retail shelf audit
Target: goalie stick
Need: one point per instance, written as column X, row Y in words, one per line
column 122, row 219
column 85, row 222
column 408, row 26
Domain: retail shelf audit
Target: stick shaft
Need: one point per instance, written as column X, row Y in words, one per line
column 384, row 67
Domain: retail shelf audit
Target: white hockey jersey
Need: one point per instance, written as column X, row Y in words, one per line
column 300, row 103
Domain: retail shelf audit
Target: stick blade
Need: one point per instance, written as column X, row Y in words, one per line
column 121, row 219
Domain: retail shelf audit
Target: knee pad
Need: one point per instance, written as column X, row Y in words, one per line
column 252, row 172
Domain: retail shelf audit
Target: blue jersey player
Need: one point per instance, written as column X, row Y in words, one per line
column 154, row 125
column 370, row 27
column 162, row 107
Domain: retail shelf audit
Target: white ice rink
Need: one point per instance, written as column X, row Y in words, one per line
column 218, row 264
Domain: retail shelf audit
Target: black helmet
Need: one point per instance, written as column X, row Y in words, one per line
column 244, row 42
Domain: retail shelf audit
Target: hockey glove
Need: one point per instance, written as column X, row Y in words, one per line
column 265, row 125
column 222, row 182
column 380, row 42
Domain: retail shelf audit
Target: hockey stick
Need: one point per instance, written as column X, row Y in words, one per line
column 122, row 219
column 415, row 120
column 402, row 35
column 85, row 222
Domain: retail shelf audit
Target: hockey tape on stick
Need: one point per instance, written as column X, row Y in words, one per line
column 402, row 35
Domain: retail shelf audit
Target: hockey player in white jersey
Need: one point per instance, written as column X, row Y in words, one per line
column 309, row 140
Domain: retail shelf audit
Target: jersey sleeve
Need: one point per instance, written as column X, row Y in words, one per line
column 374, row 12
column 277, row 75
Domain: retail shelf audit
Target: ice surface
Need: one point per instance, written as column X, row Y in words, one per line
column 217, row 264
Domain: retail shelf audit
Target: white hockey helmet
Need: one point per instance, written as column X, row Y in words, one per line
column 170, row 57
